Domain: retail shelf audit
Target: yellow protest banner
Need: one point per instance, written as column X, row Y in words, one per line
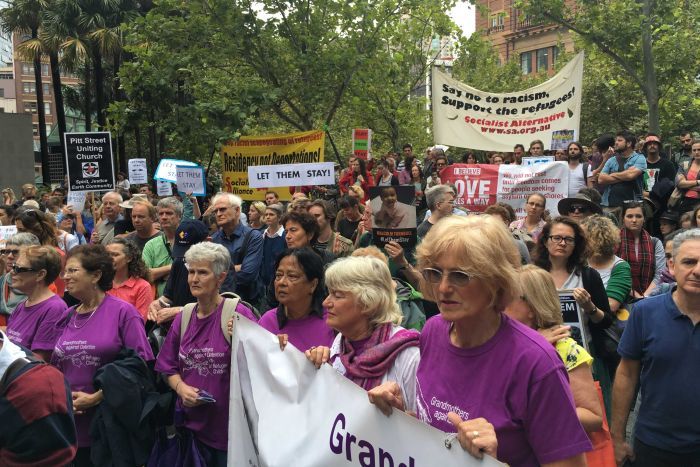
column 291, row 148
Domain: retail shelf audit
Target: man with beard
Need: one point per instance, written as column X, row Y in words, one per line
column 623, row 172
column 578, row 170
column 658, row 168
column 686, row 140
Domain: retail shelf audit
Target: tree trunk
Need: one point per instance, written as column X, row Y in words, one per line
column 58, row 99
column 99, row 88
column 161, row 140
column 87, row 91
column 117, row 96
column 43, row 142
column 152, row 144
column 139, row 145
column 652, row 89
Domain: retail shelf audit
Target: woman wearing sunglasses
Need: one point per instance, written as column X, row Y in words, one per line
column 34, row 323
column 9, row 296
column 492, row 380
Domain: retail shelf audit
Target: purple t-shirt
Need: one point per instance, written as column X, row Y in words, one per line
column 303, row 333
column 91, row 340
column 515, row 380
column 202, row 358
column 37, row 327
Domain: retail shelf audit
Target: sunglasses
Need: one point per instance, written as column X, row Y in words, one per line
column 9, row 251
column 19, row 270
column 454, row 278
column 579, row 208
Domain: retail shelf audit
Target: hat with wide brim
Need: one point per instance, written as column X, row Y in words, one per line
column 565, row 204
column 129, row 203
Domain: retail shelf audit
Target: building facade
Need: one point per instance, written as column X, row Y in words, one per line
column 515, row 36
column 8, row 103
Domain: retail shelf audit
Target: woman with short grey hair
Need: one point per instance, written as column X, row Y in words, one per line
column 9, row 297
column 196, row 355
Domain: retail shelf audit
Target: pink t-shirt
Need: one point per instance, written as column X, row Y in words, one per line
column 138, row 292
column 302, row 333
column 37, row 327
column 515, row 380
column 92, row 340
column 202, row 358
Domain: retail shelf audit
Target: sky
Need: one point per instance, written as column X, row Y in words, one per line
column 464, row 15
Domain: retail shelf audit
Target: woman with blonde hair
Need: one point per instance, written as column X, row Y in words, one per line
column 370, row 348
column 256, row 212
column 495, row 382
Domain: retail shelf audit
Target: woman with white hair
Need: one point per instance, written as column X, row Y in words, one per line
column 196, row 354
column 495, row 382
column 371, row 348
column 9, row 296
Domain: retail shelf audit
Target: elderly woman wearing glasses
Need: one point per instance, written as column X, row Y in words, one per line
column 9, row 296
column 534, row 220
column 495, row 382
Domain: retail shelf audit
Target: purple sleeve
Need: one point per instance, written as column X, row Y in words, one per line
column 133, row 334
column 550, row 404
column 245, row 311
column 49, row 331
column 167, row 361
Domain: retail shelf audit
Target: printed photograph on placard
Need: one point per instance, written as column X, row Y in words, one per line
column 393, row 215
column 561, row 139
column 573, row 317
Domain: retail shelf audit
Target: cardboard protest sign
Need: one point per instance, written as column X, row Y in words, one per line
column 164, row 188
column 481, row 185
column 167, row 169
column 362, row 142
column 573, row 316
column 292, row 148
column 89, row 161
column 138, row 171
column 191, row 180
column 537, row 160
column 76, row 200
column 464, row 116
column 393, row 215
column 561, row 139
column 266, row 176
column 283, row 411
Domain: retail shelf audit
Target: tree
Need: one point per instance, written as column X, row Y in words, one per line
column 655, row 42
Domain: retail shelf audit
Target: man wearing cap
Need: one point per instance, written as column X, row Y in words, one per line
column 111, row 213
column 658, row 168
column 243, row 243
column 143, row 218
column 176, row 293
column 578, row 207
column 157, row 254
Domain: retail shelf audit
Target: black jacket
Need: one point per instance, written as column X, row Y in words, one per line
column 124, row 428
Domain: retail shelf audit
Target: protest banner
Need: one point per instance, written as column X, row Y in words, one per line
column 393, row 215
column 167, row 169
column 76, row 200
column 6, row 231
column 561, row 139
column 292, row 148
column 89, row 161
column 537, row 160
column 138, row 171
column 573, row 317
column 283, row 411
column 164, row 188
column 481, row 185
column 362, row 142
column 191, row 180
column 284, row 175
column 467, row 117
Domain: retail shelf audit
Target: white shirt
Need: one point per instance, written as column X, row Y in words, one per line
column 576, row 181
column 8, row 353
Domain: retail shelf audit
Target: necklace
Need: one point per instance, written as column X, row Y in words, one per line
column 88, row 318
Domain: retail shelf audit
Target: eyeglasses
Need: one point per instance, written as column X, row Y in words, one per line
column 19, row 270
column 558, row 239
column 454, row 278
column 9, row 252
column 582, row 208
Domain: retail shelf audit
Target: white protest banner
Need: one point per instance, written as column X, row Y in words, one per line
column 571, row 312
column 76, row 200
column 166, row 169
column 283, row 411
column 537, row 160
column 138, row 171
column 6, row 231
column 481, row 185
column 265, row 176
column 466, row 117
column 191, row 180
column 164, row 188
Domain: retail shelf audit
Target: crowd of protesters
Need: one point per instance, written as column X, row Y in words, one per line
column 116, row 319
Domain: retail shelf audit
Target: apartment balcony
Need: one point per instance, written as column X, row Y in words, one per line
column 494, row 29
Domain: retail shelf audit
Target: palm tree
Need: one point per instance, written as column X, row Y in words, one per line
column 24, row 17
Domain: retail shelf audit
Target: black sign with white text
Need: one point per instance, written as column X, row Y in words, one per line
column 89, row 161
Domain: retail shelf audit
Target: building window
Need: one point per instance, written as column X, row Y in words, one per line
column 35, row 129
column 2, row 92
column 29, row 107
column 47, row 89
column 497, row 22
column 47, row 108
column 28, row 87
column 526, row 62
column 543, row 59
column 44, row 69
column 4, row 75
column 555, row 54
column 27, row 69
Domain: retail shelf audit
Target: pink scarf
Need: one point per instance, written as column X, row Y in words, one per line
column 368, row 369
